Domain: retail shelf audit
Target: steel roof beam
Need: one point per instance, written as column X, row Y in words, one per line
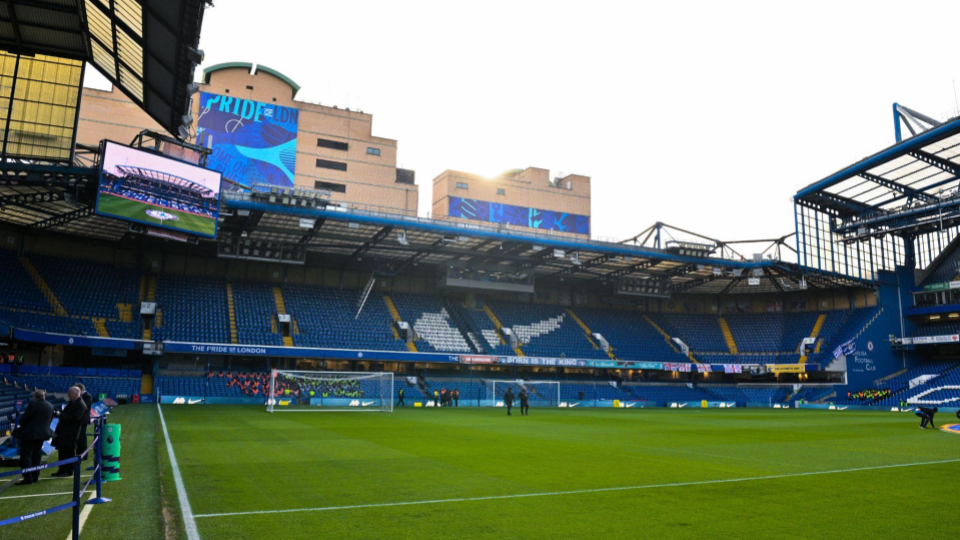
column 900, row 188
column 943, row 164
column 381, row 234
column 63, row 219
column 596, row 261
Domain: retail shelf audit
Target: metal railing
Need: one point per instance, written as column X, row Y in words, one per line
column 78, row 492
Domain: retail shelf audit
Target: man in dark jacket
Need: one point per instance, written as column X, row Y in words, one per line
column 68, row 429
column 400, row 402
column 524, row 402
column 508, row 400
column 33, row 430
column 456, row 397
column 926, row 416
column 82, row 437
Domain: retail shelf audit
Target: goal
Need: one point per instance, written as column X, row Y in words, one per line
column 329, row 391
column 542, row 393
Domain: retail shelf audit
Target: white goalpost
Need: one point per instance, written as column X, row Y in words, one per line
column 542, row 393
column 329, row 391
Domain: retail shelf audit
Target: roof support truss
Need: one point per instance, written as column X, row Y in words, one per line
column 63, row 219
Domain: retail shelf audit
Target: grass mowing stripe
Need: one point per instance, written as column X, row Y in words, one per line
column 189, row 523
column 577, row 492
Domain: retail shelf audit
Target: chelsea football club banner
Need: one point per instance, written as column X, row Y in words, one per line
column 846, row 349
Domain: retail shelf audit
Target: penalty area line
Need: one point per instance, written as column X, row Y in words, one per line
column 578, row 491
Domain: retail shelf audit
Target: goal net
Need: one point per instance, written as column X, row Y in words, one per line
column 329, row 391
column 542, row 393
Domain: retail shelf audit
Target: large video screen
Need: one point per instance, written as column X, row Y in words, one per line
column 252, row 142
column 518, row 215
column 158, row 191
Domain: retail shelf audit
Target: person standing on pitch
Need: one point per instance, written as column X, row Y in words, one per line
column 400, row 402
column 456, row 397
column 524, row 402
column 926, row 416
column 508, row 400
column 68, row 429
column 82, row 437
column 436, row 398
column 33, row 430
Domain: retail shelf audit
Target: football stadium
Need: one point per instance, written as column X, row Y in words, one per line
column 223, row 314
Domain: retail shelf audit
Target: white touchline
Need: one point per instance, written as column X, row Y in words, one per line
column 84, row 514
column 579, row 491
column 189, row 523
column 38, row 495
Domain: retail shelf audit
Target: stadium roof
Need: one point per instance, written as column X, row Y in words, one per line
column 147, row 48
column 372, row 239
column 160, row 176
column 920, row 170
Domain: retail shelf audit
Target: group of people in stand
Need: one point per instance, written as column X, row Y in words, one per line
column 69, row 437
column 870, row 395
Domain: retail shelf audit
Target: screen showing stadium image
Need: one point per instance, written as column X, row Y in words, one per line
column 158, row 191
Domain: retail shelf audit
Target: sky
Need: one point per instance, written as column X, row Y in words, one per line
column 704, row 115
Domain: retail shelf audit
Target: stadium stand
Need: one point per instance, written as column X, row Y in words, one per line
column 86, row 288
column 325, row 317
column 432, row 324
column 546, row 330
column 17, row 289
column 488, row 331
column 937, row 328
column 115, row 383
column 193, row 309
column 630, row 335
column 947, row 270
column 161, row 189
column 701, row 333
column 256, row 313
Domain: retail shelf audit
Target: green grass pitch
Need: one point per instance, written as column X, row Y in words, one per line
column 123, row 208
column 476, row 473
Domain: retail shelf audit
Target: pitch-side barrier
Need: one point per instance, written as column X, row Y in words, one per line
column 78, row 491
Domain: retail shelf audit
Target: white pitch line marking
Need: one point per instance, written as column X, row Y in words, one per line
column 37, row 495
column 579, row 491
column 84, row 514
column 189, row 523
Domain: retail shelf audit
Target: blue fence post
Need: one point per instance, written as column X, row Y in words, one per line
column 98, row 463
column 76, row 499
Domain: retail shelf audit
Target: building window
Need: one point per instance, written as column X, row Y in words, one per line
column 335, row 165
column 373, row 151
column 406, row 176
column 330, row 186
column 336, row 145
column 462, row 185
column 501, row 191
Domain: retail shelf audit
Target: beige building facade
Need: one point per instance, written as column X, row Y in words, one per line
column 560, row 204
column 335, row 148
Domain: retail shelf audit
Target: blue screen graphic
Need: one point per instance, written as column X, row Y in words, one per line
column 252, row 142
column 521, row 216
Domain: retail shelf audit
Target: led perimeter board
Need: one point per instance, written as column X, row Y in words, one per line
column 157, row 191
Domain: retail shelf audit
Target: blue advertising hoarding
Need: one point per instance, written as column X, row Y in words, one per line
column 252, row 142
column 521, row 216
